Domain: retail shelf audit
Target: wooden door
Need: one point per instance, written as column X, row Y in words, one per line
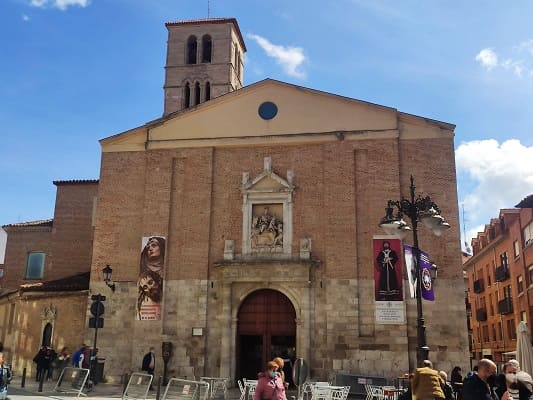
column 266, row 329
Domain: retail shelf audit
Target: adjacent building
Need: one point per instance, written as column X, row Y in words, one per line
column 43, row 297
column 500, row 282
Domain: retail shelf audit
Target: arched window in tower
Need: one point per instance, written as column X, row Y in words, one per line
column 187, row 96
column 192, row 47
column 207, row 91
column 206, row 49
column 239, row 65
column 197, row 93
column 235, row 57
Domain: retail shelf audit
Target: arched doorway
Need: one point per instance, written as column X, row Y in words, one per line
column 266, row 329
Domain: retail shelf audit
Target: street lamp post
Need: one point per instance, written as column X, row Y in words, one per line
column 419, row 209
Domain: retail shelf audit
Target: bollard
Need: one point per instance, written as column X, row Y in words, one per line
column 158, row 392
column 126, row 380
column 41, row 380
column 23, row 379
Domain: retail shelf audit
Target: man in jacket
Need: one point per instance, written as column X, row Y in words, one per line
column 476, row 386
column 427, row 383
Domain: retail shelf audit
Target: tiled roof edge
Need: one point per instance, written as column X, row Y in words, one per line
column 76, row 182
column 39, row 223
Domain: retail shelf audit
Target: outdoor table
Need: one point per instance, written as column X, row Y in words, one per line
column 392, row 393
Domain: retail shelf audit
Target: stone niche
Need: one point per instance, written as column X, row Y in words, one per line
column 267, row 214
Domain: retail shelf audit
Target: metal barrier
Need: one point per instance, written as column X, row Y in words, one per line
column 357, row 382
column 183, row 389
column 138, row 386
column 72, row 380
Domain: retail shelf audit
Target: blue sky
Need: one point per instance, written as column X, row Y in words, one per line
column 75, row 71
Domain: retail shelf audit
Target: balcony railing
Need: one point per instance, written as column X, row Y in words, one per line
column 502, row 273
column 481, row 314
column 505, row 306
column 479, row 286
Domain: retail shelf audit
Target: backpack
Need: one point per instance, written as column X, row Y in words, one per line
column 5, row 376
column 76, row 357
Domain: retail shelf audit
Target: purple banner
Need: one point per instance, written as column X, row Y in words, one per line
column 427, row 284
column 425, row 265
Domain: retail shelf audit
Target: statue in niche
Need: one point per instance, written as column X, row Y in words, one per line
column 267, row 231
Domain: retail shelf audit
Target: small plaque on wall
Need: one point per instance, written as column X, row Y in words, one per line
column 197, row 331
column 390, row 312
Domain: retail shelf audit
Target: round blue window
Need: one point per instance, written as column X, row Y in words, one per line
column 267, row 110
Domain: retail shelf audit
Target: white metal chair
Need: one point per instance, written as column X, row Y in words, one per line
column 241, row 388
column 339, row 392
column 305, row 391
column 368, row 390
column 320, row 392
column 249, row 388
column 377, row 392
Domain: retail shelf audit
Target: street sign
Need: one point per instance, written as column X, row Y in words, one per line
column 96, row 322
column 97, row 309
column 300, row 371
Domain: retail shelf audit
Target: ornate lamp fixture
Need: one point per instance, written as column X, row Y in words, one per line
column 419, row 209
column 107, row 271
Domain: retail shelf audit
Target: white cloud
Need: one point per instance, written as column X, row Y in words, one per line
column 487, row 58
column 520, row 64
column 501, row 176
column 289, row 58
column 60, row 4
column 25, row 17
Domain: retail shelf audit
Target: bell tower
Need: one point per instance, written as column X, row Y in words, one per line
column 204, row 61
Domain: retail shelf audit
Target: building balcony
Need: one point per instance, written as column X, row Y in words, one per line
column 505, row 306
column 479, row 287
column 481, row 314
column 502, row 273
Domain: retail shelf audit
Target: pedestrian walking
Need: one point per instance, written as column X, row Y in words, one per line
column 5, row 377
column 148, row 363
column 478, row 385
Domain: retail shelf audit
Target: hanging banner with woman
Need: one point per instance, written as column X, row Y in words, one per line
column 150, row 281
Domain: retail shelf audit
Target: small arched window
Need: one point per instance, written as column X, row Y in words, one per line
column 192, row 47
column 206, row 49
column 196, row 93
column 47, row 335
column 207, row 91
column 187, row 96
column 239, row 65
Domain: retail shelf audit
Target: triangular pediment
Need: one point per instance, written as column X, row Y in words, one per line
column 299, row 110
column 268, row 182
column 235, row 116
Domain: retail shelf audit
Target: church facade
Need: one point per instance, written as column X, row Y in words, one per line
column 240, row 225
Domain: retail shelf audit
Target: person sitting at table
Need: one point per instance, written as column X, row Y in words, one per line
column 270, row 385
